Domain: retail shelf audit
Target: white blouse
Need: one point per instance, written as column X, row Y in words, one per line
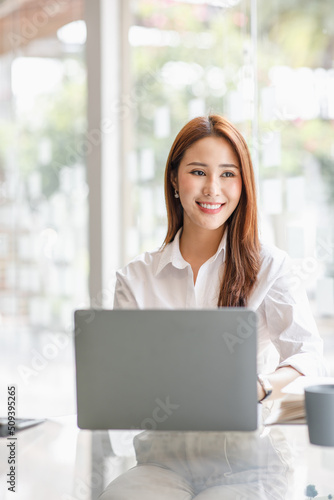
column 162, row 279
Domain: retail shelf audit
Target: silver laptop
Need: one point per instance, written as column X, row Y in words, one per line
column 184, row 370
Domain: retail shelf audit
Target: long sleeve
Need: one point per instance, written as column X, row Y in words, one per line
column 291, row 325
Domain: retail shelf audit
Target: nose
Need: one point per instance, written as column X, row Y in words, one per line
column 211, row 187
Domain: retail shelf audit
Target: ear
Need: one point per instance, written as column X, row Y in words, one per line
column 173, row 179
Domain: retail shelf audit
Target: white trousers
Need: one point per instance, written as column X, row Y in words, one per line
column 205, row 466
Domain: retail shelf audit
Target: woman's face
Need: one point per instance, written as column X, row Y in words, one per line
column 209, row 183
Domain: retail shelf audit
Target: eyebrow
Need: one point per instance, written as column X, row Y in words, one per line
column 223, row 165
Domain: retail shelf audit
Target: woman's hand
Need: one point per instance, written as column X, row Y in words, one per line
column 278, row 379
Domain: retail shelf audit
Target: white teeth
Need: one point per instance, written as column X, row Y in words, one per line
column 210, row 207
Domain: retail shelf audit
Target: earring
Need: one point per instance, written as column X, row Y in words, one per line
column 176, row 194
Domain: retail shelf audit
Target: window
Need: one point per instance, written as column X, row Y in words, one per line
column 295, row 140
column 43, row 248
column 43, row 198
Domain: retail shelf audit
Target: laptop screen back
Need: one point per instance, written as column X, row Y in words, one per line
column 166, row 369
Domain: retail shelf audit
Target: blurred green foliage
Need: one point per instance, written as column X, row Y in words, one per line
column 57, row 124
column 207, row 39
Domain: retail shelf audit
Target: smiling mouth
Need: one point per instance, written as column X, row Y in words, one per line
column 210, row 206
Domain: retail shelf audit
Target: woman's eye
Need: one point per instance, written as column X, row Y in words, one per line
column 198, row 172
column 227, row 174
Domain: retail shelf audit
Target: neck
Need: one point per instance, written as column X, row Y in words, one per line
column 199, row 245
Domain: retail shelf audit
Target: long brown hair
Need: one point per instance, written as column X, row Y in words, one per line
column 242, row 261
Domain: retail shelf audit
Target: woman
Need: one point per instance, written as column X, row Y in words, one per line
column 212, row 256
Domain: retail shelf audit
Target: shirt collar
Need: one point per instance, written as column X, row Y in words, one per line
column 171, row 254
